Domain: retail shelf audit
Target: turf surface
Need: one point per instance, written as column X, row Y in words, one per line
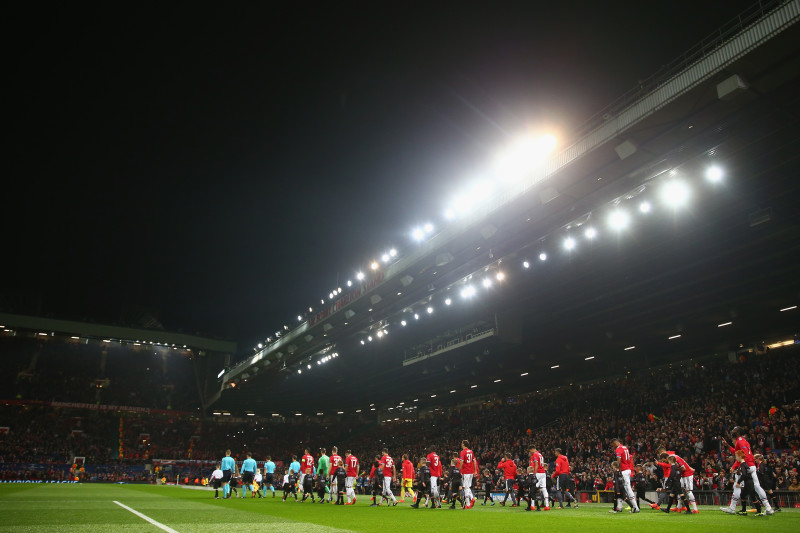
column 91, row 508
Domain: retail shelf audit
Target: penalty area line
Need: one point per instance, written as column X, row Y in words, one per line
column 147, row 518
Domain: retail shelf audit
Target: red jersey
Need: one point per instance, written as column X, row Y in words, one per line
column 509, row 469
column 387, row 463
column 335, row 462
column 742, row 444
column 562, row 465
column 408, row 470
column 435, row 464
column 666, row 467
column 467, row 459
column 687, row 470
column 351, row 464
column 624, row 456
column 307, row 464
column 537, row 462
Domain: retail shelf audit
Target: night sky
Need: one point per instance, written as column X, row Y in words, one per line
column 217, row 167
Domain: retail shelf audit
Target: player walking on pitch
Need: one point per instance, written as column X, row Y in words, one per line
column 625, row 468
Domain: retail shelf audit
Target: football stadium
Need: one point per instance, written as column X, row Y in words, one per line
column 597, row 328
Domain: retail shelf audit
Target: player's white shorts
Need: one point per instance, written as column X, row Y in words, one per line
column 387, row 485
column 467, row 481
column 348, row 483
column 626, row 481
column 541, row 480
column 300, row 481
column 687, row 483
column 434, row 485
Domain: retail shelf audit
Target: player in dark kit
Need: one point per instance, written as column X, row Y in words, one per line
column 377, row 481
column 747, row 486
column 674, row 484
column 456, row 489
column 530, row 485
column 308, row 488
column 766, row 477
column 423, row 485
column 619, row 487
column 640, row 485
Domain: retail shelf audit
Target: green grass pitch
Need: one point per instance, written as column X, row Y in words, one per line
column 91, row 508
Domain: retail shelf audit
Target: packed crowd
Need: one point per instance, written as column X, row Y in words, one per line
column 685, row 407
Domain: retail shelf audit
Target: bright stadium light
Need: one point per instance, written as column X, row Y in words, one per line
column 374, row 265
column 619, row 220
column 349, row 283
column 542, row 256
column 569, row 244
column 430, row 310
column 385, row 258
column 309, row 367
column 428, row 227
column 500, row 276
column 487, row 282
column 675, row 193
column 449, row 214
column 403, row 322
column 369, row 338
column 523, row 156
column 447, row 301
column 526, row 264
column 360, row 276
column 416, row 316
column 392, row 253
column 299, row 371
column 362, row 341
column 468, row 291
column 299, row 318
column 644, row 207
column 379, row 334
column 714, row 174
column 260, row 345
column 417, row 234
column 590, row 233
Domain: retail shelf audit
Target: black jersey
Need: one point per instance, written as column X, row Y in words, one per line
column 424, row 474
column 292, row 480
column 341, row 476
column 619, row 483
column 455, row 476
column 640, row 481
column 308, row 483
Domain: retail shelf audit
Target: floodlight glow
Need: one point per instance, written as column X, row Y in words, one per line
column 380, row 334
column 569, row 243
column 220, row 373
column 374, row 265
column 498, row 380
column 449, row 214
column 526, row 264
column 588, row 358
column 299, row 318
column 675, row 193
column 474, row 387
column 590, row 233
column 487, row 282
column 644, row 207
column 359, row 276
column 309, row 367
column 542, row 256
column 428, row 227
column 385, row 258
column 330, row 295
column 416, row 316
column 554, row 366
column 362, row 341
column 523, row 374
column 392, row 252
column 260, row 345
column 299, row 371
column 523, row 156
column 724, row 324
column 349, row 283
column 468, row 292
column 500, row 276
column 417, row 234
column 447, row 301
column 788, row 308
column 339, row 290
column 619, row 220
column 674, row 337
column 369, row 338
column 629, row 348
column 714, row 174
column 403, row 322
column 430, row 310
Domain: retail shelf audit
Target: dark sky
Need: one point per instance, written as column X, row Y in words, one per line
column 218, row 166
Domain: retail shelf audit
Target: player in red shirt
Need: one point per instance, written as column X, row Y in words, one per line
column 334, row 485
column 625, row 467
column 509, row 469
column 537, row 463
column 435, row 465
column 389, row 474
column 563, row 481
column 687, row 475
column 750, row 468
column 306, row 468
column 468, row 465
column 351, row 467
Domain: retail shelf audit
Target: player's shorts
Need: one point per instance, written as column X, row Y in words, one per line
column 509, row 485
column 247, row 477
column 226, row 476
column 216, row 483
column 541, row 481
column 349, row 482
column 408, row 483
column 562, row 482
column 269, row 479
column 687, row 483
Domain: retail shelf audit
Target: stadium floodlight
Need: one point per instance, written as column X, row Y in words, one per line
column 724, row 324
column 393, row 253
column 220, row 373
column 449, row 214
column 542, row 256
column 416, row 316
column 299, row 318
column 788, row 308
column 417, row 234
column 379, row 334
column 523, row 156
column 428, row 227
column 588, row 358
column 523, row 374
column 362, row 341
column 322, row 301
column 402, row 322
column 309, row 366
column 452, row 391
column 569, row 244
column 590, row 233
column 675, row 193
column 349, row 283
column 430, row 310
column 299, row 371
column 330, row 295
column 339, row 290
column 629, row 348
column 433, row 396
column 369, row 338
column 360, row 276
column 554, row 367
column 618, row 220
column 714, row 174
column 645, row 207
column 260, row 345
column 468, row 291
column 474, row 387
column 447, row 301
column 374, row 265
column 487, row 282
column 673, row 337
column 526, row 264
column 498, row 380
column 500, row 276
column 385, row 258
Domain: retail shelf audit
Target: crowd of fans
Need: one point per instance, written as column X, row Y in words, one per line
column 686, row 408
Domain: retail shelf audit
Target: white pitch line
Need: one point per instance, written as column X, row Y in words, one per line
column 145, row 517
